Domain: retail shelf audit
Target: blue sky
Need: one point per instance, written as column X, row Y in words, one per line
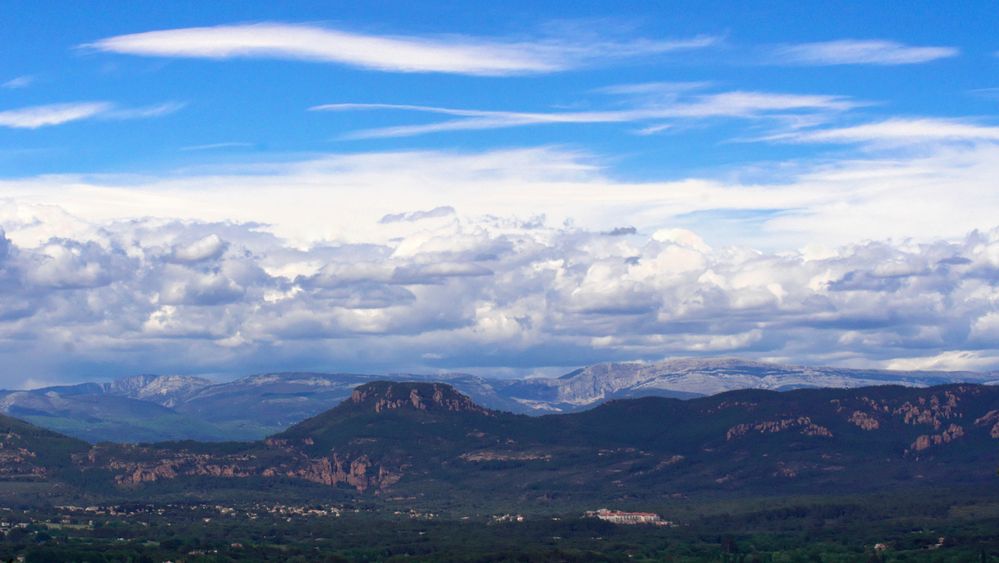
column 390, row 185
column 260, row 105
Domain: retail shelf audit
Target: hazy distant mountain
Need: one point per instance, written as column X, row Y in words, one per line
column 166, row 390
column 152, row 408
column 91, row 413
column 699, row 377
column 148, row 408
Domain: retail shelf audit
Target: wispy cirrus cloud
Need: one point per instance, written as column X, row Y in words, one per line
column 18, row 82
column 442, row 54
column 989, row 93
column 861, row 52
column 656, row 89
column 217, row 146
column 144, row 112
column 34, row 117
column 51, row 114
column 899, row 131
column 736, row 104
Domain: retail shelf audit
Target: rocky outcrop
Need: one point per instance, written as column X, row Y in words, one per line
column 431, row 432
column 383, row 396
column 803, row 424
column 668, row 461
column 953, row 432
column 138, row 473
column 491, row 455
column 360, row 473
column 133, row 465
column 932, row 412
column 744, row 405
column 864, row 421
column 17, row 460
column 990, row 418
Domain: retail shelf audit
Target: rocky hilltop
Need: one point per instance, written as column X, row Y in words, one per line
column 387, row 395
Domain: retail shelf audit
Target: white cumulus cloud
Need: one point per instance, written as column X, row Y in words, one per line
column 514, row 258
column 479, row 292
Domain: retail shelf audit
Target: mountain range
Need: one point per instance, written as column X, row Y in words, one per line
column 149, row 408
column 421, row 440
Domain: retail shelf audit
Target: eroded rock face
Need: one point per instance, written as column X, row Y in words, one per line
column 360, row 472
column 419, row 396
column 17, row 460
column 744, row 405
column 349, row 456
column 932, row 412
column 991, row 417
column 133, row 466
column 671, row 460
column 953, row 432
column 491, row 455
column 140, row 474
column 937, row 410
column 282, row 456
column 864, row 421
column 803, row 424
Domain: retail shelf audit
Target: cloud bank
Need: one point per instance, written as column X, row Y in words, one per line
column 947, row 189
column 479, row 293
column 498, row 260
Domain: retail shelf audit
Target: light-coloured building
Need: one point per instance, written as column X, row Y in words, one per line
column 627, row 518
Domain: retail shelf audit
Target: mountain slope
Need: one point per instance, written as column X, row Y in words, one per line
column 96, row 416
column 28, row 452
column 149, row 408
column 685, row 378
column 429, row 441
column 256, row 406
column 165, row 390
column 156, row 408
column 411, row 429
